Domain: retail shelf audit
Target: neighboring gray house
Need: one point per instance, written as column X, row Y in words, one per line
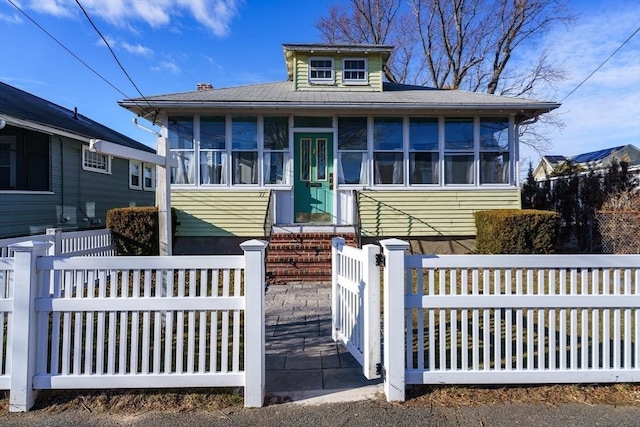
column 595, row 160
column 50, row 178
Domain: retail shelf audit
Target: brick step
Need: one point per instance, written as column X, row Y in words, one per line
column 299, row 260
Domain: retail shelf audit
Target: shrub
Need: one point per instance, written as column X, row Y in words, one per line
column 134, row 230
column 515, row 231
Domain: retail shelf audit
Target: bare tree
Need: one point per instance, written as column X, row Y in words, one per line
column 474, row 45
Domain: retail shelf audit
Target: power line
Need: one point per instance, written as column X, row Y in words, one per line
column 113, row 53
column 604, row 62
column 68, row 50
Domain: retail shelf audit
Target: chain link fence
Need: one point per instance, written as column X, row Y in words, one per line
column 619, row 231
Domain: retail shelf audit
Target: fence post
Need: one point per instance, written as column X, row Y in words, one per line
column 56, row 238
column 371, row 305
column 337, row 243
column 254, row 365
column 394, row 321
column 22, row 396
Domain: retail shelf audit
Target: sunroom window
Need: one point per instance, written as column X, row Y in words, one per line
column 354, row 71
column 459, row 151
column 352, row 150
column 213, row 157
column 423, row 151
column 387, row 151
column 494, row 151
column 244, row 143
column 182, row 149
column 321, row 70
column 276, row 150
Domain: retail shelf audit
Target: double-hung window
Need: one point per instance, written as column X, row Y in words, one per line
column 494, row 151
column 354, row 71
column 423, row 151
column 321, row 70
column 148, row 177
column 244, row 145
column 95, row 162
column 276, row 150
column 182, row 149
column 213, row 156
column 459, row 151
column 352, row 150
column 387, row 151
column 135, row 175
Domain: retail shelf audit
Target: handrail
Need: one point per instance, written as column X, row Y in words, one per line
column 357, row 220
column 268, row 217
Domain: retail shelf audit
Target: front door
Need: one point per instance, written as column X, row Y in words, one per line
column 313, row 181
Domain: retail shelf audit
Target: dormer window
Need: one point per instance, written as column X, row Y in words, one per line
column 354, row 71
column 321, row 70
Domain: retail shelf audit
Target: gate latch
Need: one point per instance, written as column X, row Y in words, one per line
column 378, row 368
column 380, row 260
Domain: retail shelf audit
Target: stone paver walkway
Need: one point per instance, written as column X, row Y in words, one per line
column 300, row 354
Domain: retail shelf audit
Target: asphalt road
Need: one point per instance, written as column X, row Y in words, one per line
column 364, row 413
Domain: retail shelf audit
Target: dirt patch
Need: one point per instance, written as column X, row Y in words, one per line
column 134, row 401
column 452, row 396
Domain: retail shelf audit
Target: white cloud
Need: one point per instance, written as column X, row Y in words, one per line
column 605, row 110
column 112, row 42
column 59, row 8
column 10, row 19
column 167, row 66
column 137, row 49
column 215, row 15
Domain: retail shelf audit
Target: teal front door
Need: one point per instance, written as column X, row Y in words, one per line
column 313, row 178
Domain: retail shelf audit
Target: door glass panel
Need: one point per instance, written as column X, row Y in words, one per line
column 322, row 159
column 305, row 159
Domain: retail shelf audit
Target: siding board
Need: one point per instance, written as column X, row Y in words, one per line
column 220, row 213
column 429, row 213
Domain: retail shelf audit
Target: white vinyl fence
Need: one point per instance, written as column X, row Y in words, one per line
column 356, row 303
column 498, row 319
column 132, row 322
column 70, row 243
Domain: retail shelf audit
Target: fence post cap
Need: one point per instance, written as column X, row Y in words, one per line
column 394, row 244
column 337, row 242
column 29, row 246
column 253, row 245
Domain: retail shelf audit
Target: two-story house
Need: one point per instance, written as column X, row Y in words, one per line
column 335, row 149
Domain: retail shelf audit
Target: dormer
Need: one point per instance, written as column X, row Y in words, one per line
column 344, row 67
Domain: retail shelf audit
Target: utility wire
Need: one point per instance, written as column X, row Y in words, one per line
column 604, row 62
column 67, row 49
column 113, row 53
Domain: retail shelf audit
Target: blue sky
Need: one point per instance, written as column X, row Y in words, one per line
column 170, row 45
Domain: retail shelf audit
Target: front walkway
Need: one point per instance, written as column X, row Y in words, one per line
column 302, row 361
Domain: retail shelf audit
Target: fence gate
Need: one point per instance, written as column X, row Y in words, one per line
column 355, row 306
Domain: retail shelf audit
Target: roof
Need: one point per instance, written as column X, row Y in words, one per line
column 282, row 96
column 595, row 156
column 23, row 106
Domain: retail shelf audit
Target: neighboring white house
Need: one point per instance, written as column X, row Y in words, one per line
column 596, row 160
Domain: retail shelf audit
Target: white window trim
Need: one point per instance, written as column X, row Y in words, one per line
column 364, row 81
column 153, row 177
column 85, row 150
column 320, row 80
column 140, row 173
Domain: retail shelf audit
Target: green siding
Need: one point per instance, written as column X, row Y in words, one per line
column 301, row 74
column 220, row 213
column 429, row 213
column 74, row 188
